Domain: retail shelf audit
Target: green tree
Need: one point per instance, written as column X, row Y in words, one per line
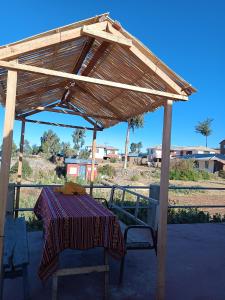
column 205, row 129
column 84, row 153
column 133, row 147
column 35, row 149
column 78, row 139
column 133, row 123
column 50, row 143
column 67, row 151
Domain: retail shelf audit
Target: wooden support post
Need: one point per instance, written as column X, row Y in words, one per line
column 6, row 151
column 20, row 165
column 93, row 161
column 163, row 201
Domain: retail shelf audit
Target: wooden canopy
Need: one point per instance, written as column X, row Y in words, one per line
column 97, row 70
column 131, row 79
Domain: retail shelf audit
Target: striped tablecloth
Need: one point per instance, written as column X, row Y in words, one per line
column 75, row 222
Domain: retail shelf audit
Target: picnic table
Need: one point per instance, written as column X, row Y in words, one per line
column 75, row 222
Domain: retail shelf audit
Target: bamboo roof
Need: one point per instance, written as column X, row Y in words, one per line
column 98, row 48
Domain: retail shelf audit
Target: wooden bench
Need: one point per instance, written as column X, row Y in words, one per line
column 15, row 257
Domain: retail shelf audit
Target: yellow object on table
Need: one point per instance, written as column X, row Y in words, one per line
column 71, row 188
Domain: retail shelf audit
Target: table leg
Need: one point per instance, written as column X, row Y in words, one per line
column 106, row 274
column 54, row 286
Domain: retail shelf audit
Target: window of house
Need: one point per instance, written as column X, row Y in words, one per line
column 206, row 164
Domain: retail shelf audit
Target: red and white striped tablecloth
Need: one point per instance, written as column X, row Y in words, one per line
column 75, row 222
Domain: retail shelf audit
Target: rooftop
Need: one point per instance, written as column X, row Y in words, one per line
column 195, row 269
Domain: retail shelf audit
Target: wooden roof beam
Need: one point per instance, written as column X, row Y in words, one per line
column 10, row 52
column 56, row 124
column 35, row 111
column 79, row 78
column 106, row 36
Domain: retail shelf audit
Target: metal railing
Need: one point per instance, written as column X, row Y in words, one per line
column 149, row 202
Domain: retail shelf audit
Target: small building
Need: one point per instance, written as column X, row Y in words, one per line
column 208, row 162
column 155, row 152
column 222, row 147
column 80, row 168
column 136, row 158
column 104, row 152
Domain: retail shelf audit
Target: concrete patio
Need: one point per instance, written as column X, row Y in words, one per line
column 195, row 269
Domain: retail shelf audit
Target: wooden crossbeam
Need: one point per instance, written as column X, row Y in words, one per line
column 105, row 36
column 56, row 124
column 79, row 78
column 12, row 51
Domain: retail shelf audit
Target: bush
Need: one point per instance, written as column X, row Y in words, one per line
column 222, row 173
column 113, row 160
column 185, row 170
column 107, row 170
column 26, row 169
column 134, row 178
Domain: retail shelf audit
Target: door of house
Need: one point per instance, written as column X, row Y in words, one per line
column 82, row 173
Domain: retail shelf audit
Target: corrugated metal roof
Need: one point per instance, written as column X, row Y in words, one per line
column 78, row 161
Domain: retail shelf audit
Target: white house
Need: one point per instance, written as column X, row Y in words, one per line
column 104, row 152
column 155, row 152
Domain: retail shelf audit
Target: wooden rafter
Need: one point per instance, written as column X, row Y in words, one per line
column 106, row 36
column 78, row 64
column 79, row 78
column 12, row 51
column 56, row 124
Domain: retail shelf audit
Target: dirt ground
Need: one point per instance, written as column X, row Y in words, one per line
column 144, row 175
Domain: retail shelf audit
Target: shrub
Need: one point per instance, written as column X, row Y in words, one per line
column 107, row 170
column 185, row 170
column 222, row 173
column 134, row 178
column 113, row 160
column 26, row 169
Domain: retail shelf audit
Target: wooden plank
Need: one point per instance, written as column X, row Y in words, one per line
column 9, row 242
column 35, row 111
column 20, row 165
column 105, row 36
column 57, row 124
column 79, row 78
column 13, row 51
column 82, row 270
column 6, row 150
column 20, row 254
column 163, row 202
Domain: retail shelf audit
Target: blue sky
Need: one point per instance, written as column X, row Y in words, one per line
column 188, row 36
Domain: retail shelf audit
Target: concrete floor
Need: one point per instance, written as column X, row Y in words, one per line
column 195, row 269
